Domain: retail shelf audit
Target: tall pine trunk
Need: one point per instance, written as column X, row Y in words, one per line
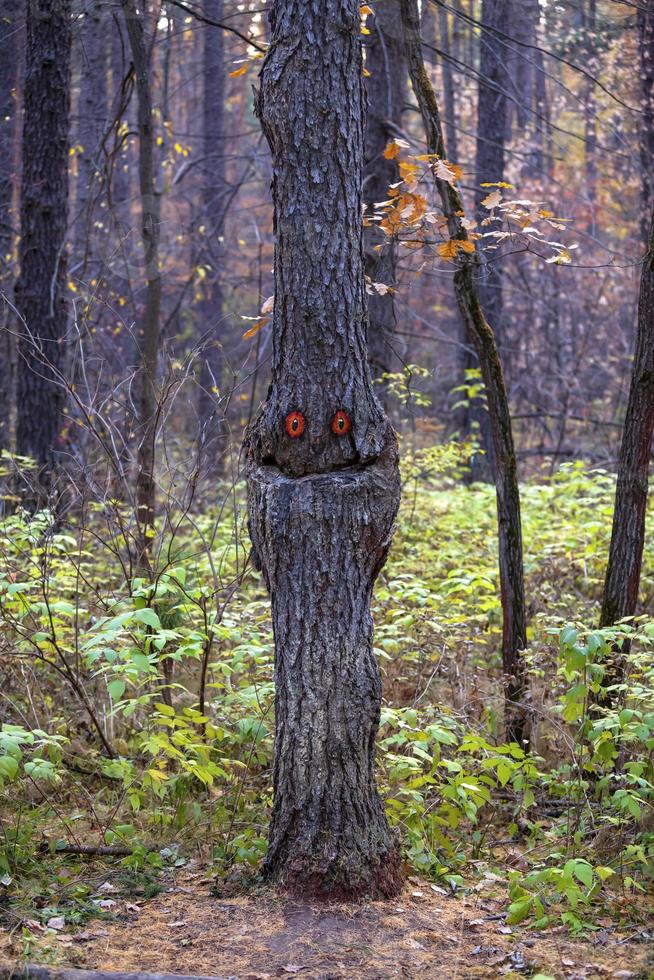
column 386, row 84
column 322, row 467
column 621, row 585
column 40, row 290
column 11, row 17
column 149, row 327
column 492, row 120
column 92, row 120
column 214, row 190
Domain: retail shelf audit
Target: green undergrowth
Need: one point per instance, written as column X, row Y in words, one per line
column 139, row 716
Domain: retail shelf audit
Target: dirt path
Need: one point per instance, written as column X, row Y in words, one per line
column 423, row 934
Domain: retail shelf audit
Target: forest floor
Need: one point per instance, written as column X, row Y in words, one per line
column 424, row 933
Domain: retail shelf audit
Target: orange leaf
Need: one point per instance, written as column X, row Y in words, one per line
column 256, row 327
column 468, row 247
column 448, row 250
column 392, row 150
column 239, row 71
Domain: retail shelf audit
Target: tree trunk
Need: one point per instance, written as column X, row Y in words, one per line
column 385, row 88
column 491, row 135
column 449, row 88
column 10, row 21
column 322, row 467
column 514, row 638
column 589, row 15
column 645, row 16
column 148, row 334
column 40, row 290
column 622, row 581
column 214, row 189
column 91, row 124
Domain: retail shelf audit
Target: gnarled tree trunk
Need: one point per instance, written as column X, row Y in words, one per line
column 322, row 468
column 40, row 290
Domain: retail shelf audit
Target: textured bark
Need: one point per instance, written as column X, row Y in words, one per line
column 146, row 384
column 623, row 571
column 385, row 88
column 514, row 628
column 91, row 125
column 645, row 14
column 321, row 505
column 214, row 188
column 11, row 18
column 40, row 290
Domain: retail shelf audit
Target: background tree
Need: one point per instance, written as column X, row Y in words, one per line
column 514, row 630
column 149, row 328
column 322, row 469
column 94, row 35
column 40, row 289
column 620, row 598
column 385, row 85
column 212, row 221
column 11, row 20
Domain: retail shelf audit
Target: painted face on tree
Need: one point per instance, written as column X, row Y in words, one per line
column 294, row 424
column 341, row 424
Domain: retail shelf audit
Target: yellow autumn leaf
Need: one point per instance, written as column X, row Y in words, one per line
column 239, row 71
column 448, row 250
column 468, row 247
column 256, row 327
column 366, row 73
column 392, row 150
column 365, row 10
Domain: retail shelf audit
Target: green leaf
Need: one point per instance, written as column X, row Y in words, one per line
column 148, row 617
column 8, row 767
column 116, row 689
column 583, row 872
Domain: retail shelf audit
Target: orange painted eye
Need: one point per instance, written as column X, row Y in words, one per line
column 341, row 423
column 294, row 424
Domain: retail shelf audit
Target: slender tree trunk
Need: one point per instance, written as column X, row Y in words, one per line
column 645, row 15
column 11, row 18
column 322, row 467
column 590, row 47
column 40, row 290
column 91, row 125
column 385, row 88
column 627, row 539
column 514, row 638
column 449, row 88
column 491, row 135
column 148, row 334
column 623, row 571
column 214, row 188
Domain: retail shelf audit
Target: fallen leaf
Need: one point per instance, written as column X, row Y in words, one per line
column 56, row 922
